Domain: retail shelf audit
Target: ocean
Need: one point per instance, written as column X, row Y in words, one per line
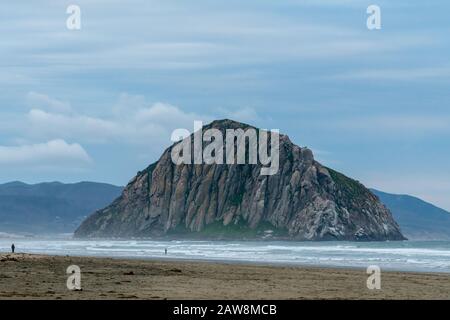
column 426, row 256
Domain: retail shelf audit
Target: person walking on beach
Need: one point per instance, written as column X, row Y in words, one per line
column 165, row 251
column 13, row 248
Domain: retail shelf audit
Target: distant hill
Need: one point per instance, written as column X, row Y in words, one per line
column 57, row 208
column 418, row 219
column 51, row 207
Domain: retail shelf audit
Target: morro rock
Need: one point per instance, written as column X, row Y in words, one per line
column 303, row 201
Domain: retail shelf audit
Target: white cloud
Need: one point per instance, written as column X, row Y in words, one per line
column 42, row 101
column 52, row 153
column 130, row 121
column 43, row 124
column 165, row 115
column 136, row 124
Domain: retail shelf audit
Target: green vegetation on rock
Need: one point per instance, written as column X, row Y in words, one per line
column 239, row 230
column 350, row 187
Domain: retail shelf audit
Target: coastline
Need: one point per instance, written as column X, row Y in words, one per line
column 34, row 276
column 404, row 256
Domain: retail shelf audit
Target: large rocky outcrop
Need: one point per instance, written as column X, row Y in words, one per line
column 303, row 201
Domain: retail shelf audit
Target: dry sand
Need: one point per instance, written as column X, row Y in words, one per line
column 25, row 276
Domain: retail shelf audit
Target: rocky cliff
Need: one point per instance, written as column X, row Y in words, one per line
column 303, row 201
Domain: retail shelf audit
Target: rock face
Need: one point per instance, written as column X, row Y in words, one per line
column 303, row 201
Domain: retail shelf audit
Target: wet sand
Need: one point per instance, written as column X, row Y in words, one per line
column 25, row 276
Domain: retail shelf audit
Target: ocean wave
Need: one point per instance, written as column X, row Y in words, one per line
column 405, row 256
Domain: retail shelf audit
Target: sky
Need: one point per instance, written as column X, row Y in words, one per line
column 100, row 103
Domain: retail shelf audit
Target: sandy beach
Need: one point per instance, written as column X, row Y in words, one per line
column 26, row 276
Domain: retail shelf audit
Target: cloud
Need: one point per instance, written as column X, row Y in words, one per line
column 130, row 121
column 126, row 123
column 410, row 74
column 39, row 100
column 194, row 36
column 45, row 124
column 166, row 115
column 52, row 153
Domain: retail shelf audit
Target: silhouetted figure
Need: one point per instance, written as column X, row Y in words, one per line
column 13, row 248
column 165, row 251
